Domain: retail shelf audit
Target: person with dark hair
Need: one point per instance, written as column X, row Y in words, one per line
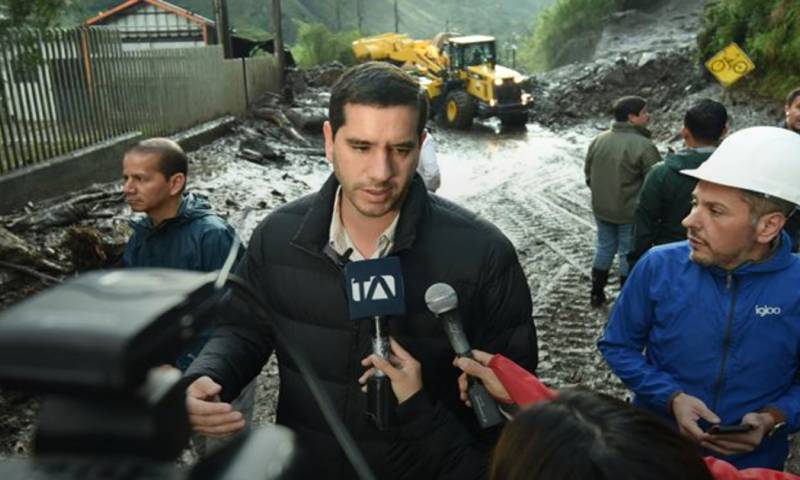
column 791, row 109
column 706, row 331
column 372, row 206
column 666, row 196
column 572, row 434
column 616, row 164
column 179, row 229
column 586, row 435
column 792, row 122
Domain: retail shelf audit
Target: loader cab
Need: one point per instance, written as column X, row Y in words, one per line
column 470, row 51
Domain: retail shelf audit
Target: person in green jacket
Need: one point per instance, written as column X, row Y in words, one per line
column 616, row 164
column 666, row 196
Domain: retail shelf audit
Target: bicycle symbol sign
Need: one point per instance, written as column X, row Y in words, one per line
column 730, row 65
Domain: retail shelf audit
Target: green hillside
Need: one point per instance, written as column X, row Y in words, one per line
column 768, row 30
column 564, row 21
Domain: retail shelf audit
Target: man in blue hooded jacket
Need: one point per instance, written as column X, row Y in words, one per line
column 179, row 229
column 707, row 331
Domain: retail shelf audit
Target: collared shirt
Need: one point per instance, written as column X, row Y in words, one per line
column 340, row 241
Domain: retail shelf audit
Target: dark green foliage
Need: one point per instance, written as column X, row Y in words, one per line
column 317, row 45
column 566, row 30
column 31, row 13
column 768, row 30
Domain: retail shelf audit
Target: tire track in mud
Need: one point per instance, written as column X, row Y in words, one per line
column 546, row 216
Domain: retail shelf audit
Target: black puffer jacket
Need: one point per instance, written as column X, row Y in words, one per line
column 436, row 241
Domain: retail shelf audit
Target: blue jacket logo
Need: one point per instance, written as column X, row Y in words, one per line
column 764, row 310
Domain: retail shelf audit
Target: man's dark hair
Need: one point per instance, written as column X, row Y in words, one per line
column 792, row 96
column 583, row 434
column 379, row 84
column 625, row 106
column 706, row 120
column 171, row 157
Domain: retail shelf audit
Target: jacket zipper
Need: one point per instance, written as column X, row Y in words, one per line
column 726, row 342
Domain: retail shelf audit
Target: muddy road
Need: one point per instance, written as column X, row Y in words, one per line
column 529, row 183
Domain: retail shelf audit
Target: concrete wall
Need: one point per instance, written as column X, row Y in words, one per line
column 60, row 175
column 95, row 164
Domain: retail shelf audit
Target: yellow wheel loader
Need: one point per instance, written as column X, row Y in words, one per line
column 459, row 73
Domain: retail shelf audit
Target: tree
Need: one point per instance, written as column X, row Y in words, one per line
column 29, row 13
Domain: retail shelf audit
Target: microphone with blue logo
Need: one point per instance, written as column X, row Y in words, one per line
column 374, row 291
column 442, row 301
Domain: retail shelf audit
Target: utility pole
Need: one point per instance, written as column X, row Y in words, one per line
column 396, row 18
column 338, row 15
column 358, row 15
column 278, row 42
column 223, row 27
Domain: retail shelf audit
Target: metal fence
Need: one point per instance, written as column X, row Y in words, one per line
column 61, row 90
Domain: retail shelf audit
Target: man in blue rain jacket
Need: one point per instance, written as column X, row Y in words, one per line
column 707, row 331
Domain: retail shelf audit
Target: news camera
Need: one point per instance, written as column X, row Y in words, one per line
column 93, row 348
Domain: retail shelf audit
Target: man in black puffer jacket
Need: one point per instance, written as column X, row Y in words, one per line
column 372, row 206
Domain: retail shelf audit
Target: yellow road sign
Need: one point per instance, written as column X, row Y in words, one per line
column 730, row 64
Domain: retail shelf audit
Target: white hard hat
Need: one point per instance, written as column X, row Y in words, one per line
column 760, row 159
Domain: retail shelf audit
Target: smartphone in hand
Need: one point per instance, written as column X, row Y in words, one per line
column 727, row 429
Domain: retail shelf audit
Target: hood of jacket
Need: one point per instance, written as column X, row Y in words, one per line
column 686, row 159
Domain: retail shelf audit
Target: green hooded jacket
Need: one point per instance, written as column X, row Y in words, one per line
column 666, row 199
column 616, row 164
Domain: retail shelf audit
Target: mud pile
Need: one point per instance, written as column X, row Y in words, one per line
column 577, row 92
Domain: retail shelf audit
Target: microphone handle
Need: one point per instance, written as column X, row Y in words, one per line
column 380, row 397
column 484, row 406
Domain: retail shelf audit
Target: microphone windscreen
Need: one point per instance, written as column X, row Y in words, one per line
column 441, row 298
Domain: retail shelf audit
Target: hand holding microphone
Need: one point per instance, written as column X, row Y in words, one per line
column 375, row 291
column 442, row 300
column 403, row 370
column 477, row 367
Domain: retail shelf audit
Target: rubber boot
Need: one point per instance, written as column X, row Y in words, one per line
column 599, row 281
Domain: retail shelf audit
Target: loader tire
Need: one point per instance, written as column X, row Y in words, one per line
column 459, row 110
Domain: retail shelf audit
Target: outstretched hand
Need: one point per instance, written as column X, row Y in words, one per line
column 207, row 414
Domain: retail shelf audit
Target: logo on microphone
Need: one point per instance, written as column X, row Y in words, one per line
column 377, row 287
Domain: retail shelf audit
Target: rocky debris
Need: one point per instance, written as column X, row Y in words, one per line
column 91, row 249
column 277, row 117
column 15, row 251
column 586, row 91
column 324, row 75
column 66, row 210
column 257, row 150
column 309, row 119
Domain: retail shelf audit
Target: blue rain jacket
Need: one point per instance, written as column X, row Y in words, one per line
column 195, row 239
column 732, row 339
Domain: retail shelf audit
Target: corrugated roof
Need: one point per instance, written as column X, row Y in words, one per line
column 167, row 6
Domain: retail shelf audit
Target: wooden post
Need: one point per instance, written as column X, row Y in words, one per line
column 359, row 16
column 223, row 27
column 276, row 20
column 396, row 18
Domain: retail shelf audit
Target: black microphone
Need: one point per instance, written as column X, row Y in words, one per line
column 442, row 300
column 374, row 291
